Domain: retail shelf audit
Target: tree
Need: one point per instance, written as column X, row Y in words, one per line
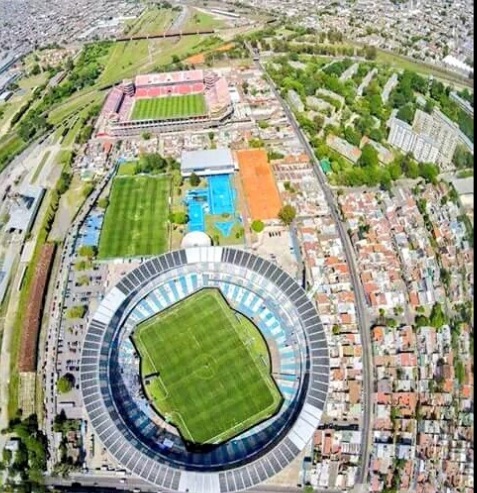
column 352, row 136
column 151, row 162
column 395, row 170
column 103, row 203
column 35, row 69
column 7, row 456
column 146, row 135
column 179, row 217
column 287, row 214
column 429, row 107
column 462, row 158
column 257, row 226
column 369, row 157
column 194, row 180
column 437, row 318
column 429, row 172
column 256, row 143
column 76, row 311
column 376, row 134
column 87, row 251
column 65, row 383
column 406, row 113
column 370, row 52
column 87, row 190
column 421, row 321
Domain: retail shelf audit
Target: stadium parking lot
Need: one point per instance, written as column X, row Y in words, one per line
column 78, row 293
column 275, row 244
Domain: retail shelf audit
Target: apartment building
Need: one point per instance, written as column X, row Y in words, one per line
column 402, row 136
column 441, row 129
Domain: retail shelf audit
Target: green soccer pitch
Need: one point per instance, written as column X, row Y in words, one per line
column 206, row 369
column 135, row 222
column 169, row 107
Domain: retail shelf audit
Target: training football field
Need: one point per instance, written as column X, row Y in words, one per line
column 203, row 369
column 169, row 107
column 135, row 223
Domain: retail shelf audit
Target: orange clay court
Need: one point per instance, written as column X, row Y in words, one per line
column 260, row 189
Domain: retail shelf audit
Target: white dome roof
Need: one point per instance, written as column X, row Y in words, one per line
column 196, row 239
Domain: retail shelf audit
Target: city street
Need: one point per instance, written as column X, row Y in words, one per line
column 358, row 289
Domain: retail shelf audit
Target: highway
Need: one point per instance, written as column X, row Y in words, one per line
column 361, row 309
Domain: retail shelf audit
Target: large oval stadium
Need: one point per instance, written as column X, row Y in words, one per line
column 205, row 407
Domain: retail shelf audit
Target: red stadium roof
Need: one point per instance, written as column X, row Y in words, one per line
column 169, row 78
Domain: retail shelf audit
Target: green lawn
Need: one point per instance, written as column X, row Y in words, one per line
column 10, row 145
column 127, row 59
column 127, row 169
column 135, row 223
column 236, row 236
column 206, row 369
column 153, row 21
column 404, row 63
column 75, row 104
column 40, row 167
column 200, row 20
column 124, row 61
column 169, row 107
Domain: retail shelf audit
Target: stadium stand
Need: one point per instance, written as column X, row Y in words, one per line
column 113, row 102
column 169, row 78
column 120, row 414
column 126, row 107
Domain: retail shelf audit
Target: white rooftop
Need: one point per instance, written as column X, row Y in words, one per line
column 464, row 186
column 211, row 158
column 196, row 239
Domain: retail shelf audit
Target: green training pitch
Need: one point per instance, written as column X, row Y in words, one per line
column 135, row 222
column 169, row 107
column 206, row 369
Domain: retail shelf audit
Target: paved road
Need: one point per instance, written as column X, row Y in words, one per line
column 48, row 356
column 96, row 483
column 180, row 19
column 361, row 308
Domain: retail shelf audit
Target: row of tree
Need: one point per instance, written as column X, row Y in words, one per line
column 28, row 463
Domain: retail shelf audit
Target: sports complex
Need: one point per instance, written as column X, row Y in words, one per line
column 165, row 102
column 205, row 370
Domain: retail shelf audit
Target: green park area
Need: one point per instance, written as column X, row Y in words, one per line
column 135, row 222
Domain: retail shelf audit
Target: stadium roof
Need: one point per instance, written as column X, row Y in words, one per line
column 25, row 207
column 206, row 159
